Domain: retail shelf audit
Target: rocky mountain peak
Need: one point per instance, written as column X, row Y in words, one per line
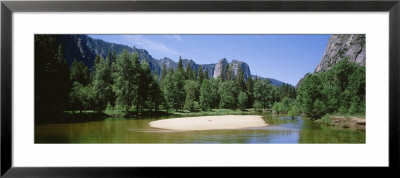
column 169, row 63
column 341, row 46
column 245, row 67
column 85, row 48
column 219, row 67
column 234, row 65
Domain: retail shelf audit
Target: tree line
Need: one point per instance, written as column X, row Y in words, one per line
column 124, row 82
column 340, row 89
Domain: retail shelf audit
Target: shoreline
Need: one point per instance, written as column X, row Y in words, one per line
column 345, row 122
column 209, row 122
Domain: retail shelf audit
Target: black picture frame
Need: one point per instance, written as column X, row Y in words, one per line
column 8, row 7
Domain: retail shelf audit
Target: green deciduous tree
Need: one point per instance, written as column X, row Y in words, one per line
column 283, row 106
column 340, row 89
column 81, row 97
column 308, row 92
column 102, row 83
column 125, row 79
column 206, row 97
column 265, row 94
column 242, row 100
column 192, row 95
column 228, row 95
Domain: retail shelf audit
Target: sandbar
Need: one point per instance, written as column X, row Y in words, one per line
column 210, row 122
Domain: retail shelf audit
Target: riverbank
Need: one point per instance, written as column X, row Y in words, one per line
column 352, row 122
column 210, row 122
column 89, row 115
column 68, row 117
column 184, row 113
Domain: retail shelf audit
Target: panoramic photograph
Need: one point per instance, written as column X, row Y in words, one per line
column 200, row 88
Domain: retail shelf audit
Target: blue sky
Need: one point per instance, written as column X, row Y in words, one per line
column 283, row 57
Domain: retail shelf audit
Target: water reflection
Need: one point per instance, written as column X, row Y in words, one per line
column 281, row 129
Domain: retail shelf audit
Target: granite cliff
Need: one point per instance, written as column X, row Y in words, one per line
column 350, row 46
column 85, row 48
column 341, row 46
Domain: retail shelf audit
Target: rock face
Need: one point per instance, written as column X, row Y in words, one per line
column 341, row 46
column 169, row 63
column 84, row 48
column 219, row 67
column 338, row 48
column 234, row 65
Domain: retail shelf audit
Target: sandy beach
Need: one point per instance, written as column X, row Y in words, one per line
column 210, row 122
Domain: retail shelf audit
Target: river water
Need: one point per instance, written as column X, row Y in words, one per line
column 281, row 129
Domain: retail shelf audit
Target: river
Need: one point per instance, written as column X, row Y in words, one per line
column 281, row 129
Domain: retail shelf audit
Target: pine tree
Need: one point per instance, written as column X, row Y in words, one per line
column 145, row 81
column 179, row 90
column 229, row 73
column 192, row 95
column 163, row 72
column 97, row 60
column 206, row 98
column 168, row 89
column 188, row 72
column 62, row 83
column 156, row 97
column 200, row 76
column 205, row 74
column 79, row 73
column 180, row 65
column 239, row 79
column 250, row 92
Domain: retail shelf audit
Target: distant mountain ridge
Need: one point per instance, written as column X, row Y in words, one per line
column 85, row 48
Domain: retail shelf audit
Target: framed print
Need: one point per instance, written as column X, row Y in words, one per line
column 103, row 88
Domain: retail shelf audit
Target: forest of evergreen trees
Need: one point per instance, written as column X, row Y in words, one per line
column 123, row 82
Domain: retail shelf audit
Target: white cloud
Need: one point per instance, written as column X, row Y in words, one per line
column 141, row 42
column 176, row 37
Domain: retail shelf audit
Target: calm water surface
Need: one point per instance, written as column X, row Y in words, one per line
column 281, row 129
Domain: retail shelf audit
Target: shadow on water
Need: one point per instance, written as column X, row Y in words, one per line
column 84, row 117
column 69, row 118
